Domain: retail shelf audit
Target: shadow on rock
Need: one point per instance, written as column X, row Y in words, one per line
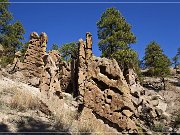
column 33, row 125
column 4, row 127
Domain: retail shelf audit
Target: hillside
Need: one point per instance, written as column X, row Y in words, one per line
column 87, row 95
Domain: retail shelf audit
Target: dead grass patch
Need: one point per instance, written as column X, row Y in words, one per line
column 64, row 120
column 24, row 100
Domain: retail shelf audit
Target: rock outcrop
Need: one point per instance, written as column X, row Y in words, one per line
column 49, row 83
column 150, row 107
column 113, row 97
column 34, row 55
column 102, row 88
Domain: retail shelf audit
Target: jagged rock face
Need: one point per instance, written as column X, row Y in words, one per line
column 49, row 83
column 65, row 76
column 103, row 88
column 34, row 54
column 115, row 97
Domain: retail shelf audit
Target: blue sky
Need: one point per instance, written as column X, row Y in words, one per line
column 65, row 23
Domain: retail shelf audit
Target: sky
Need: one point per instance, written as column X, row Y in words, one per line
column 68, row 22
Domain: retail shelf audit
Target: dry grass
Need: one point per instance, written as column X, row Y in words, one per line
column 64, row 120
column 87, row 127
column 65, row 117
column 24, row 100
column 89, row 124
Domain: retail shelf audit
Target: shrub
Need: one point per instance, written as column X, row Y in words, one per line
column 159, row 127
column 5, row 60
column 177, row 119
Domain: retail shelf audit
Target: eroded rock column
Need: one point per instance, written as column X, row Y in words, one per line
column 103, row 89
column 34, row 54
column 49, row 82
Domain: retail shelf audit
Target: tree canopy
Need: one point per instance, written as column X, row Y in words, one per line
column 115, row 37
column 11, row 33
column 55, row 47
column 157, row 62
column 69, row 51
column 176, row 58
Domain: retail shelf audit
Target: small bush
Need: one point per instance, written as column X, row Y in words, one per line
column 177, row 119
column 159, row 127
column 5, row 60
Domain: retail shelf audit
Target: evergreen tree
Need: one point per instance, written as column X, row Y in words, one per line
column 115, row 37
column 157, row 62
column 55, row 47
column 175, row 59
column 11, row 33
column 69, row 51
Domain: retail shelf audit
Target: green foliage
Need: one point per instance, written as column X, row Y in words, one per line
column 23, row 51
column 159, row 127
column 24, row 48
column 115, row 36
column 126, row 58
column 177, row 119
column 5, row 60
column 5, row 15
column 55, row 47
column 69, row 51
column 11, row 33
column 175, row 59
column 157, row 62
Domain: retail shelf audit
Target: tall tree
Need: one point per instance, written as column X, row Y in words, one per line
column 11, row 33
column 157, row 62
column 115, row 37
column 69, row 51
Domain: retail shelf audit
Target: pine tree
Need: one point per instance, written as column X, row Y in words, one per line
column 115, row 37
column 69, row 51
column 175, row 59
column 157, row 62
column 11, row 33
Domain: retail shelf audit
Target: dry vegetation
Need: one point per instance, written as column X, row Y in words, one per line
column 23, row 100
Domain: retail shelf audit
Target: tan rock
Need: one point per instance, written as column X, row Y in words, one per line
column 127, row 113
column 103, row 88
column 34, row 54
column 49, row 82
